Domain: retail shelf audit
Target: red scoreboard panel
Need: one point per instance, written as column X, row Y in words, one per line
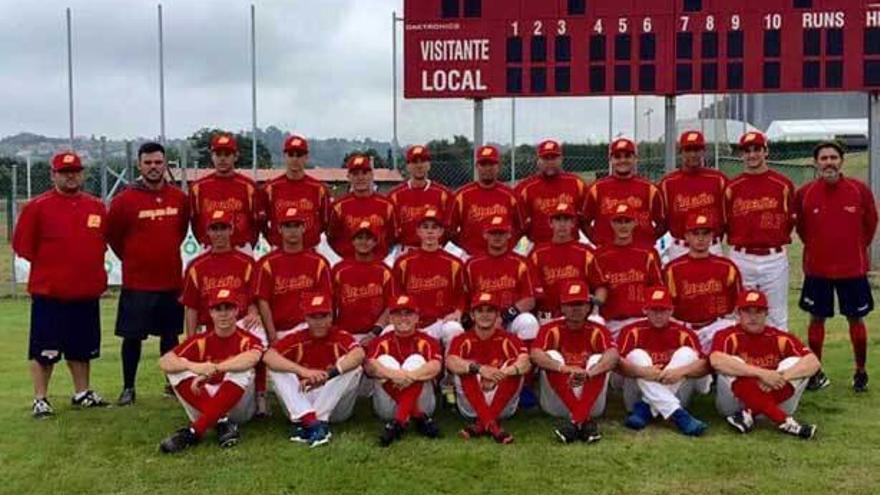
column 503, row 48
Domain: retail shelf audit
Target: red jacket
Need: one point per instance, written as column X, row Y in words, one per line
column 837, row 223
column 308, row 195
column 63, row 238
column 236, row 194
column 640, row 194
column 145, row 228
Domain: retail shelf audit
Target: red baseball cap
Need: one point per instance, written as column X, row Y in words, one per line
column 692, row 140
column 222, row 296
column 574, row 291
column 296, row 143
column 485, row 299
column 623, row 210
column 359, row 162
column 752, row 138
column 549, row 149
column 403, row 301
column 497, row 223
column 418, row 153
column 699, row 221
column 657, row 298
column 431, row 214
column 66, row 161
column 291, row 215
column 751, row 299
column 488, row 154
column 563, row 210
column 224, row 142
column 220, row 217
column 367, row 226
column 316, row 304
column 622, row 145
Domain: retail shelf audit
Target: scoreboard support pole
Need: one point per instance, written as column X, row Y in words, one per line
column 874, row 162
column 669, row 134
column 478, row 129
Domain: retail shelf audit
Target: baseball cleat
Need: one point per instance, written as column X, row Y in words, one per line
column 472, row 430
column 88, row 399
column 590, row 432
column 639, row 417
column 687, row 424
column 42, row 409
column 742, row 421
column 299, row 433
column 391, row 433
column 320, row 434
column 180, row 440
column 126, row 398
column 818, row 381
column 567, row 432
column 426, row 426
column 860, row 382
column 227, row 434
column 792, row 427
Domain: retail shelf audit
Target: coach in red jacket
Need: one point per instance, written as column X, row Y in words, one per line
column 61, row 232
column 836, row 219
column 146, row 223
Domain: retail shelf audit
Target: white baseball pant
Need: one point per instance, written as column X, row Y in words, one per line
column 242, row 412
column 553, row 405
column 384, row 405
column 663, row 399
column 769, row 274
column 707, row 333
column 728, row 404
column 525, row 326
column 334, row 401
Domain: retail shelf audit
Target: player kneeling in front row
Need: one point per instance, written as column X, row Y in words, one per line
column 316, row 372
column 212, row 374
column 663, row 365
column 761, row 370
column 404, row 363
column 575, row 356
column 488, row 364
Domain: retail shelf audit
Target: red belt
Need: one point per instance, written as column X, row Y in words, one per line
column 758, row 251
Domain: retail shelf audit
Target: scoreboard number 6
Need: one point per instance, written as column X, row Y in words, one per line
column 647, row 25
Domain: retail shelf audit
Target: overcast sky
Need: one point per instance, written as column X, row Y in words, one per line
column 323, row 69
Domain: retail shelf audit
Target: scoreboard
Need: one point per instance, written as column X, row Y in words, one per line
column 505, row 48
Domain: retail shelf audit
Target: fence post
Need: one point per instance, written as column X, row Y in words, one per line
column 129, row 171
column 13, row 214
column 104, row 169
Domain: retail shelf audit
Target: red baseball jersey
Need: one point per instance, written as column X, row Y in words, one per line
column 686, row 193
column 350, row 211
column 702, row 289
column 282, row 279
column 236, row 194
column 764, row 350
column 145, row 228
column 574, row 345
column 210, row 271
column 435, row 280
column 509, row 277
column 400, row 348
column 361, row 290
column 627, row 271
column 63, row 238
column 498, row 350
column 643, row 198
column 208, row 347
column 410, row 203
column 473, row 205
column 556, row 263
column 837, row 223
column 308, row 195
column 659, row 343
column 759, row 210
column 539, row 197
column 317, row 353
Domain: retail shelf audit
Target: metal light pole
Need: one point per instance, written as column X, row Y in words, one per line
column 669, row 155
column 478, row 129
column 394, row 141
column 512, row 140
column 161, row 79
column 253, row 92
column 648, row 113
column 70, row 78
column 874, row 162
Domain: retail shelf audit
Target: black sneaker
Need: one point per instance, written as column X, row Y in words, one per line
column 860, row 382
column 180, row 440
column 126, row 398
column 590, row 432
column 426, row 426
column 818, row 381
column 169, row 391
column 42, row 409
column 88, row 399
column 227, row 434
column 299, row 433
column 741, row 421
column 567, row 432
column 391, row 433
column 792, row 427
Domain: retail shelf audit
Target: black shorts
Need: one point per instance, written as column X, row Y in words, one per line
column 68, row 329
column 143, row 313
column 853, row 295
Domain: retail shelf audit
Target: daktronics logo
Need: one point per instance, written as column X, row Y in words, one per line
column 434, row 26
